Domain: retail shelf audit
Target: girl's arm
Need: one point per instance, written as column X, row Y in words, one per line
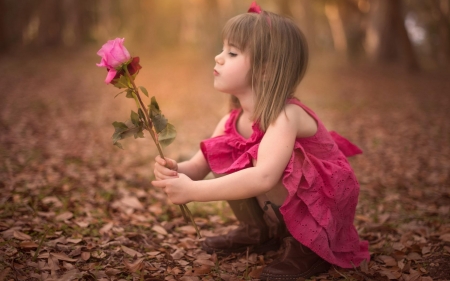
column 274, row 153
column 195, row 168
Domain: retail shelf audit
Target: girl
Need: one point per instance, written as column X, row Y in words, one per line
column 285, row 176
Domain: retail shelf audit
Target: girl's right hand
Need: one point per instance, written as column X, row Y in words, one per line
column 165, row 168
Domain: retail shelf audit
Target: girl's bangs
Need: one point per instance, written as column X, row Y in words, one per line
column 237, row 31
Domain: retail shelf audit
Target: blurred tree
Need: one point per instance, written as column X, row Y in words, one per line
column 387, row 37
column 442, row 9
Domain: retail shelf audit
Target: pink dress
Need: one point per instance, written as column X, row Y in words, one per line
column 323, row 190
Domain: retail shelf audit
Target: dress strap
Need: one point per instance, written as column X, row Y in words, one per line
column 232, row 119
column 307, row 109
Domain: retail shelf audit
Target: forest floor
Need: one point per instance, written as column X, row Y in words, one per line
column 74, row 207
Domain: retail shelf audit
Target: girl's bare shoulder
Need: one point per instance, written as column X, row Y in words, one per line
column 305, row 124
column 220, row 128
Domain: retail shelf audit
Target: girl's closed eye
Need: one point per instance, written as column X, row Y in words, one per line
column 232, row 54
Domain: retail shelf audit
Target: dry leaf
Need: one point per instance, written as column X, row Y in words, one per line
column 187, row 229
column 132, row 202
column 204, row 262
column 85, row 255
column 445, row 237
column 74, row 241
column 70, row 275
column 82, row 224
column 53, row 200
column 28, row 245
column 62, row 257
column 107, row 227
column 112, row 271
column 98, row 254
column 255, row 273
column 21, row 236
column 131, row 252
column 135, row 266
column 64, row 216
column 159, row 229
column 178, row 254
column 388, row 260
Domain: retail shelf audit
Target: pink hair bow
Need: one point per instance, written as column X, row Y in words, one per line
column 254, row 8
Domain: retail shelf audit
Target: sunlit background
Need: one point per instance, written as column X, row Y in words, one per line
column 378, row 63
column 378, row 74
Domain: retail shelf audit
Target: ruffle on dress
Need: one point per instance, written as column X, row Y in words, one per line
column 322, row 187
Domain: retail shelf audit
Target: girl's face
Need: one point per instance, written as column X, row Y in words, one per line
column 231, row 70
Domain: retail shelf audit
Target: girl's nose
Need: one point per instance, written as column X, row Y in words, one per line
column 219, row 59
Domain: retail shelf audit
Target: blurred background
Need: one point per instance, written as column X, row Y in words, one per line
column 378, row 74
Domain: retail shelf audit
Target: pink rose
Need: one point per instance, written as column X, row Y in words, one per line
column 114, row 55
column 133, row 68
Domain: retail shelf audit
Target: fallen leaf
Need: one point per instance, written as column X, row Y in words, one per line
column 159, row 229
column 131, row 252
column 134, row 266
column 107, row 227
column 74, row 241
column 69, row 275
column 98, row 254
column 64, row 216
column 413, row 256
column 62, row 257
column 255, row 273
column 388, row 260
column 445, row 237
column 85, row 255
column 21, row 236
column 178, row 254
column 132, row 202
column 52, row 200
column 204, row 262
column 112, row 271
column 28, row 245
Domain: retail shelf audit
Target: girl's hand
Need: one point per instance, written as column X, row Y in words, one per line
column 165, row 168
column 177, row 188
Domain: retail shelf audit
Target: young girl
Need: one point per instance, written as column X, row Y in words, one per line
column 285, row 176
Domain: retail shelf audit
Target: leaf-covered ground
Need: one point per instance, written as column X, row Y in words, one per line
column 73, row 207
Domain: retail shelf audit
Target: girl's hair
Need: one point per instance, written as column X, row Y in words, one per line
column 278, row 54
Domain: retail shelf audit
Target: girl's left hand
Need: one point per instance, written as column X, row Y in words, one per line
column 177, row 189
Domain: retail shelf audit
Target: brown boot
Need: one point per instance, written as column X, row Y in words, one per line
column 297, row 261
column 252, row 233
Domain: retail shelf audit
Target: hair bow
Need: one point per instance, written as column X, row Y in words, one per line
column 254, row 8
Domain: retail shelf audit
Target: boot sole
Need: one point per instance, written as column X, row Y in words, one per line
column 319, row 267
column 271, row 245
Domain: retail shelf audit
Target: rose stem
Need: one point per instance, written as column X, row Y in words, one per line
column 145, row 112
column 183, row 207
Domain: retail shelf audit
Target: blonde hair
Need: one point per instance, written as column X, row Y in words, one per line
column 278, row 54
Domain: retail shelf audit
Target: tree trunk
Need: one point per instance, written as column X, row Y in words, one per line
column 442, row 7
column 2, row 27
column 387, row 37
column 51, row 22
column 336, row 27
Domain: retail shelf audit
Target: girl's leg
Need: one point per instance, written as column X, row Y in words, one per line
column 296, row 261
column 253, row 231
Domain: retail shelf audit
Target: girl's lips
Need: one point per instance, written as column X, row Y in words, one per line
column 216, row 73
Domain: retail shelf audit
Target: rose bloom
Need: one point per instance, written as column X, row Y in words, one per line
column 114, row 55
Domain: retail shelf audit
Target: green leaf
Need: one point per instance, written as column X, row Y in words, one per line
column 122, row 82
column 123, row 131
column 158, row 119
column 118, row 145
column 134, row 118
column 144, row 90
column 167, row 136
column 130, row 94
column 141, row 113
column 120, row 93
